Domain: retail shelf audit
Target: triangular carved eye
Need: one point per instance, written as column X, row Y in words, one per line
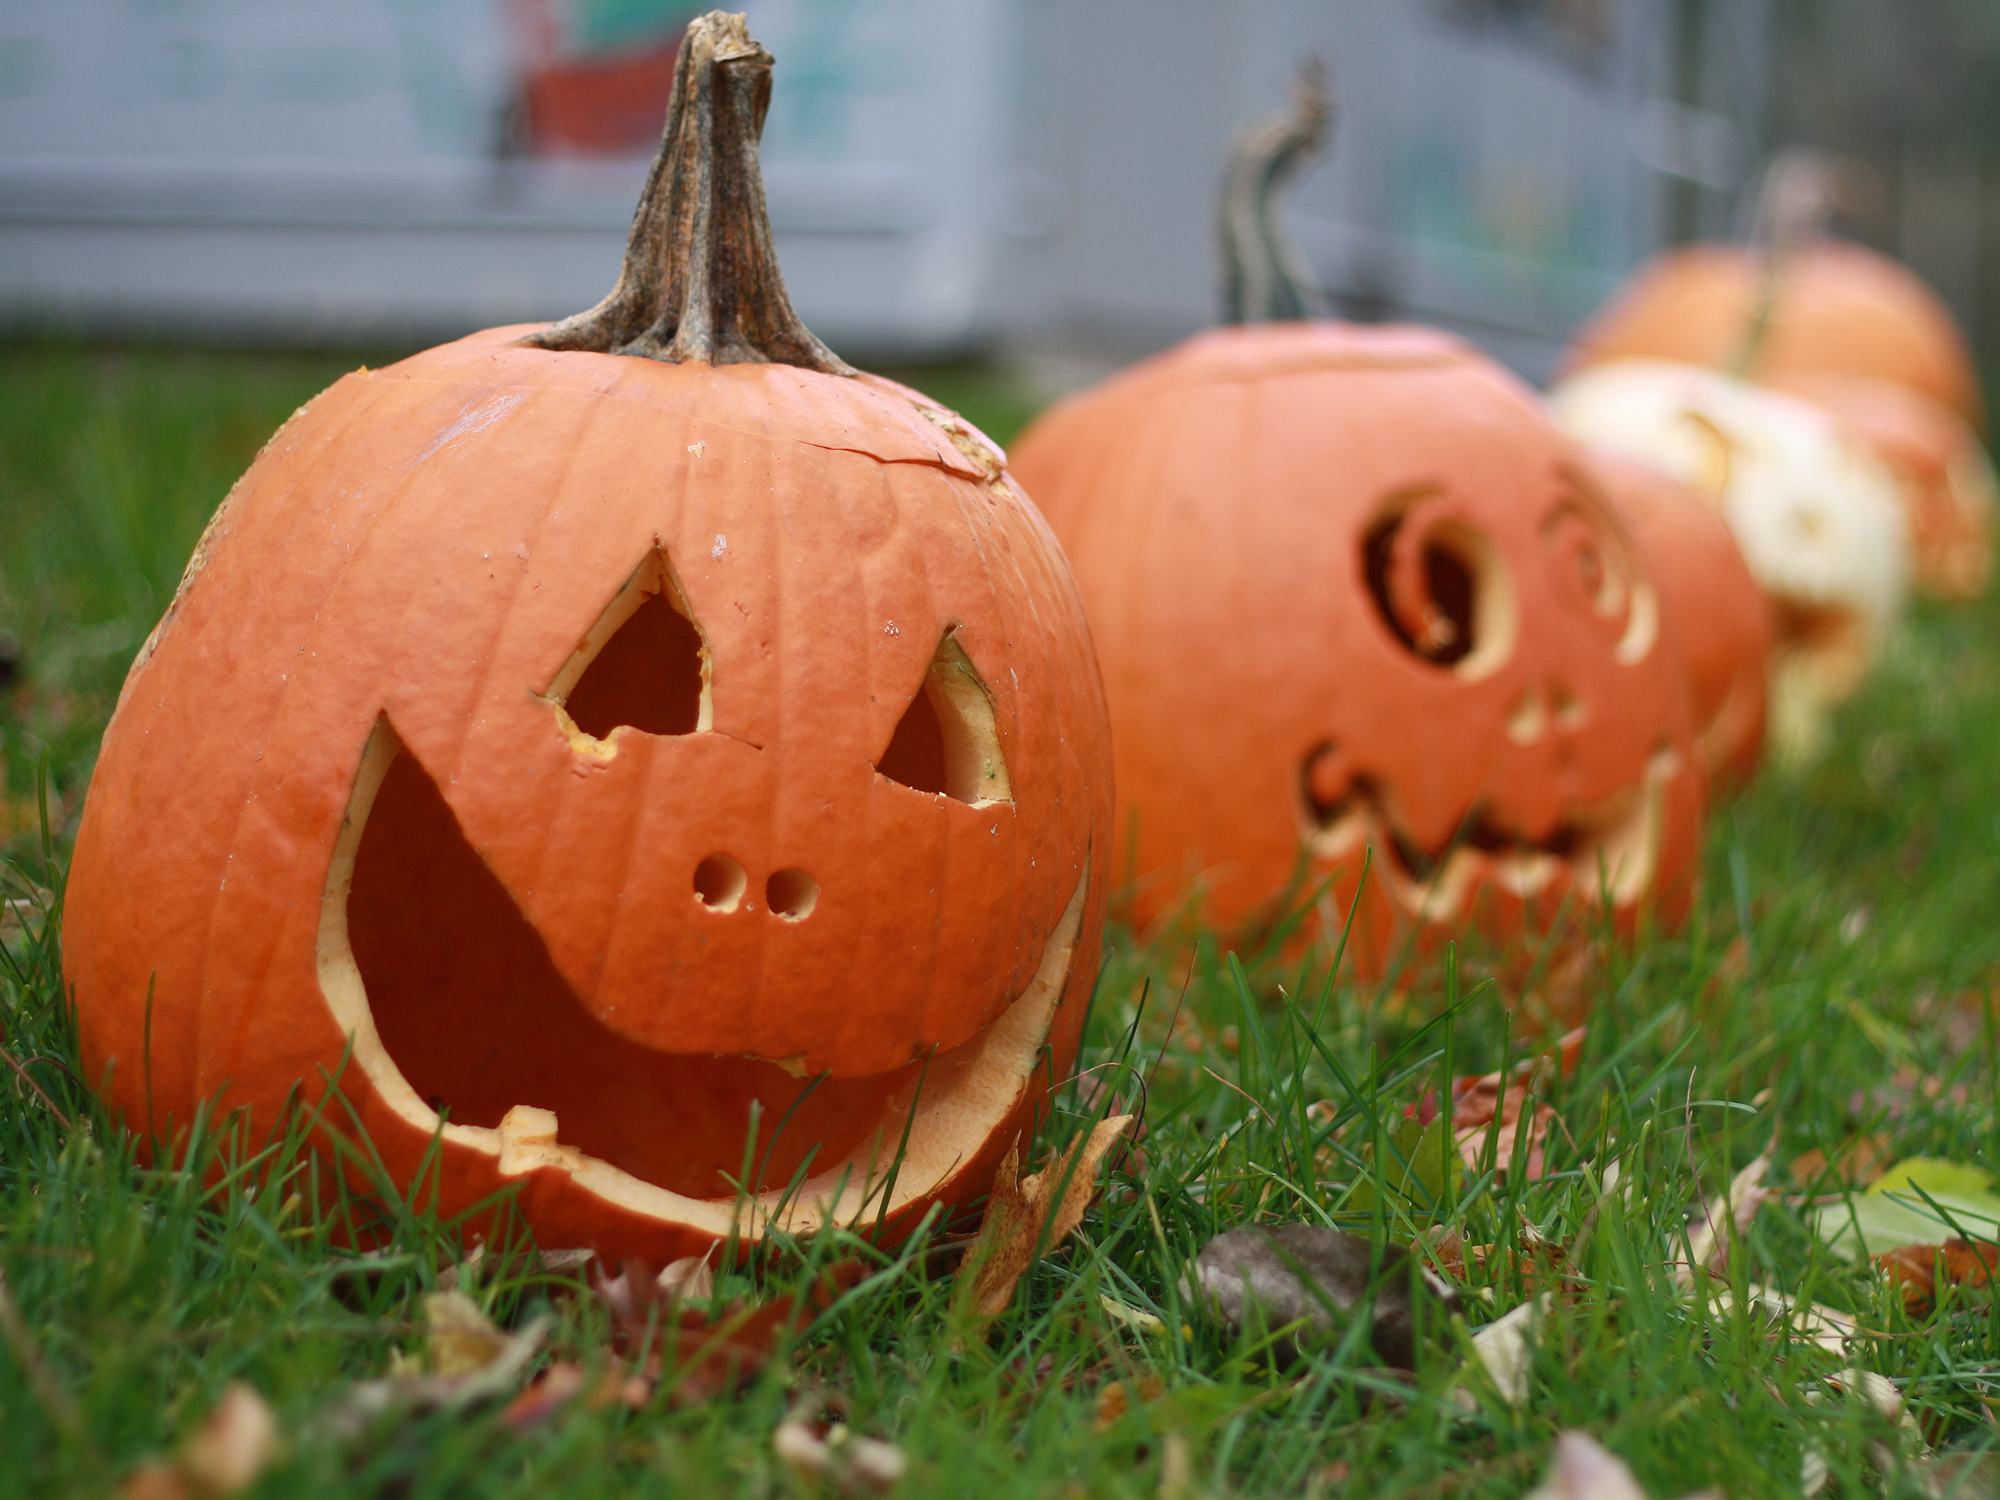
column 643, row 665
column 946, row 742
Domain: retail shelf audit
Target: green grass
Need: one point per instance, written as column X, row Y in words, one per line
column 1835, row 980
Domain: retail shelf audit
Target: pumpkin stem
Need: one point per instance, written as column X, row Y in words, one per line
column 1263, row 279
column 701, row 279
column 1798, row 195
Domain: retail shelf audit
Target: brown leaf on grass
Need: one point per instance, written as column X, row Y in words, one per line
column 1918, row 1269
column 1710, row 1236
column 1476, row 1101
column 1023, row 1216
column 224, row 1456
column 1312, row 1279
column 1130, row 1157
column 1119, row 1396
column 1856, row 1164
column 709, row 1356
column 553, row 1389
column 467, row 1360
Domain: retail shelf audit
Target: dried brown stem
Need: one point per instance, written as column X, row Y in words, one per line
column 1263, row 280
column 701, row 279
column 28, row 1078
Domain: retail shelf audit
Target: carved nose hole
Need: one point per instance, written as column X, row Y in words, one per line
column 1527, row 718
column 791, row 895
column 719, row 883
column 1571, row 712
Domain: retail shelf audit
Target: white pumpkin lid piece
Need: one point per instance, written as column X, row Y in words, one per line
column 1818, row 516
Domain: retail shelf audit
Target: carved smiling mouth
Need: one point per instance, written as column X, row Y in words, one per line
column 1607, row 853
column 460, row 1021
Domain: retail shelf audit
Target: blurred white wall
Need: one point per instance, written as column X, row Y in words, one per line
column 944, row 174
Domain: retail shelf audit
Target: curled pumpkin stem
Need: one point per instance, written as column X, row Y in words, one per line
column 1263, row 279
column 701, row 279
column 1798, row 196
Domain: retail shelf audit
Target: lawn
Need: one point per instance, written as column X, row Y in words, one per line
column 1833, row 987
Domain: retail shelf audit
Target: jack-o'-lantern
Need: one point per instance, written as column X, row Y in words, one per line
column 1718, row 618
column 1350, row 587
column 1820, row 522
column 1939, row 464
column 1793, row 302
column 670, row 763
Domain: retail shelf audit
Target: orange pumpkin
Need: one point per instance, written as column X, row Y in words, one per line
column 1351, row 588
column 1835, row 308
column 1720, row 620
column 633, row 740
column 1946, row 480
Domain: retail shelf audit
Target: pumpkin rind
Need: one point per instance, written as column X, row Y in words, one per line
column 1838, row 308
column 1215, row 503
column 359, row 703
column 1719, row 618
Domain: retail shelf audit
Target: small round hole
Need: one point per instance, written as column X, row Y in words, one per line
column 719, row 882
column 791, row 894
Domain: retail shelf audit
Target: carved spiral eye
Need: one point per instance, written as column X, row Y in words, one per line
column 1595, row 570
column 1439, row 584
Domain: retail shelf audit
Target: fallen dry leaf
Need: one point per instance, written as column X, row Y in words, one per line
column 462, row 1340
column 814, row 1448
column 1504, row 1348
column 1119, row 1396
column 1856, row 1164
column 1023, row 1217
column 711, row 1356
column 1918, row 1269
column 224, row 1456
column 553, row 1389
column 1822, row 1326
column 1280, row 1275
column 1726, row 1218
column 1584, row 1469
column 1477, row 1100
column 465, row 1367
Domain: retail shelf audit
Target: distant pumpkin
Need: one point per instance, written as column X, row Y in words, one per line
column 1351, row 588
column 1836, row 308
column 660, row 760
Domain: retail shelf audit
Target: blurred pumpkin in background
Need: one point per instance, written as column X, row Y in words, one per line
column 1720, row 620
column 1351, row 588
column 1819, row 521
column 1852, row 331
column 666, row 760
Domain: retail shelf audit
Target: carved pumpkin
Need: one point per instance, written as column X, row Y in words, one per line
column 1819, row 520
column 1351, row 587
column 1835, row 308
column 660, row 754
column 1719, row 619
